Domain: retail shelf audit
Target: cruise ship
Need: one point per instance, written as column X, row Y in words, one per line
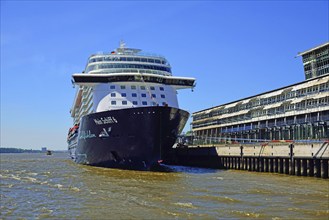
column 125, row 111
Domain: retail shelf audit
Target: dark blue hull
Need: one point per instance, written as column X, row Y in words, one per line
column 132, row 138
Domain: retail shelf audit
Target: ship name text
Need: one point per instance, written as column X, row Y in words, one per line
column 106, row 120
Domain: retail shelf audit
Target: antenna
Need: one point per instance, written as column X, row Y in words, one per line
column 122, row 44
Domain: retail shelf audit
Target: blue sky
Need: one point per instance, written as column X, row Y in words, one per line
column 235, row 49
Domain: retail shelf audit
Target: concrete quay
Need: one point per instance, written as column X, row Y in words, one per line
column 286, row 157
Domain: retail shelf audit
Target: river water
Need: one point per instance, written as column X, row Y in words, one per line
column 36, row 186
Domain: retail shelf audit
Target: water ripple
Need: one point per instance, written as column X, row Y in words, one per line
column 34, row 186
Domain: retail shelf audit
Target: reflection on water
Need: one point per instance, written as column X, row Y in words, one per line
column 40, row 186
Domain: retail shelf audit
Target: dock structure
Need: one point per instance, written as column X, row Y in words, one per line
column 241, row 134
column 285, row 157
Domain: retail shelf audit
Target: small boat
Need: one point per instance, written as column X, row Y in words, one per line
column 48, row 152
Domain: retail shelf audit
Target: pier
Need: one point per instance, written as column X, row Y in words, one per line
column 285, row 157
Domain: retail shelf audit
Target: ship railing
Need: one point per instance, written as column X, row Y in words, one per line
column 127, row 70
column 143, row 54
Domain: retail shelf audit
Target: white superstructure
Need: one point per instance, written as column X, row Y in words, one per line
column 125, row 78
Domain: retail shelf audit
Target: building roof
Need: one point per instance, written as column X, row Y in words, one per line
column 271, row 91
column 312, row 49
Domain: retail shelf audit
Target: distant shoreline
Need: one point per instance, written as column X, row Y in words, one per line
column 19, row 150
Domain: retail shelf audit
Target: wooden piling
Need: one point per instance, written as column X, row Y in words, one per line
column 276, row 165
column 304, row 160
column 310, row 165
column 324, row 168
column 304, row 167
column 281, row 165
column 261, row 160
column 298, row 166
column 286, row 165
column 317, row 170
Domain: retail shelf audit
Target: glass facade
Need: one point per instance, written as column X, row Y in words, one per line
column 112, row 67
column 316, row 61
column 295, row 112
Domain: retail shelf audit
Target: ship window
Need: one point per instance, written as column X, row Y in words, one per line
column 113, row 102
column 137, row 59
column 144, row 103
column 129, row 59
column 123, row 87
column 161, row 89
column 142, row 87
column 134, row 95
column 154, row 96
column 152, row 88
column 144, row 60
column 123, row 95
column 124, row 102
column 143, row 95
column 123, row 59
column 163, row 96
column 150, row 60
column 133, row 87
column 112, row 87
column 135, row 103
column 113, row 94
column 157, row 61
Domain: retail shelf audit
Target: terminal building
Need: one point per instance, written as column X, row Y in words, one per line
column 295, row 112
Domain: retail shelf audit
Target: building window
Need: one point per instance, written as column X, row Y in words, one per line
column 163, row 96
column 112, row 87
column 113, row 102
column 135, row 103
column 143, row 95
column 123, row 87
column 142, row 87
column 152, row 88
column 161, row 89
column 154, row 96
column 133, row 87
column 113, row 94
column 134, row 95
column 123, row 95
column 144, row 103
column 124, row 102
